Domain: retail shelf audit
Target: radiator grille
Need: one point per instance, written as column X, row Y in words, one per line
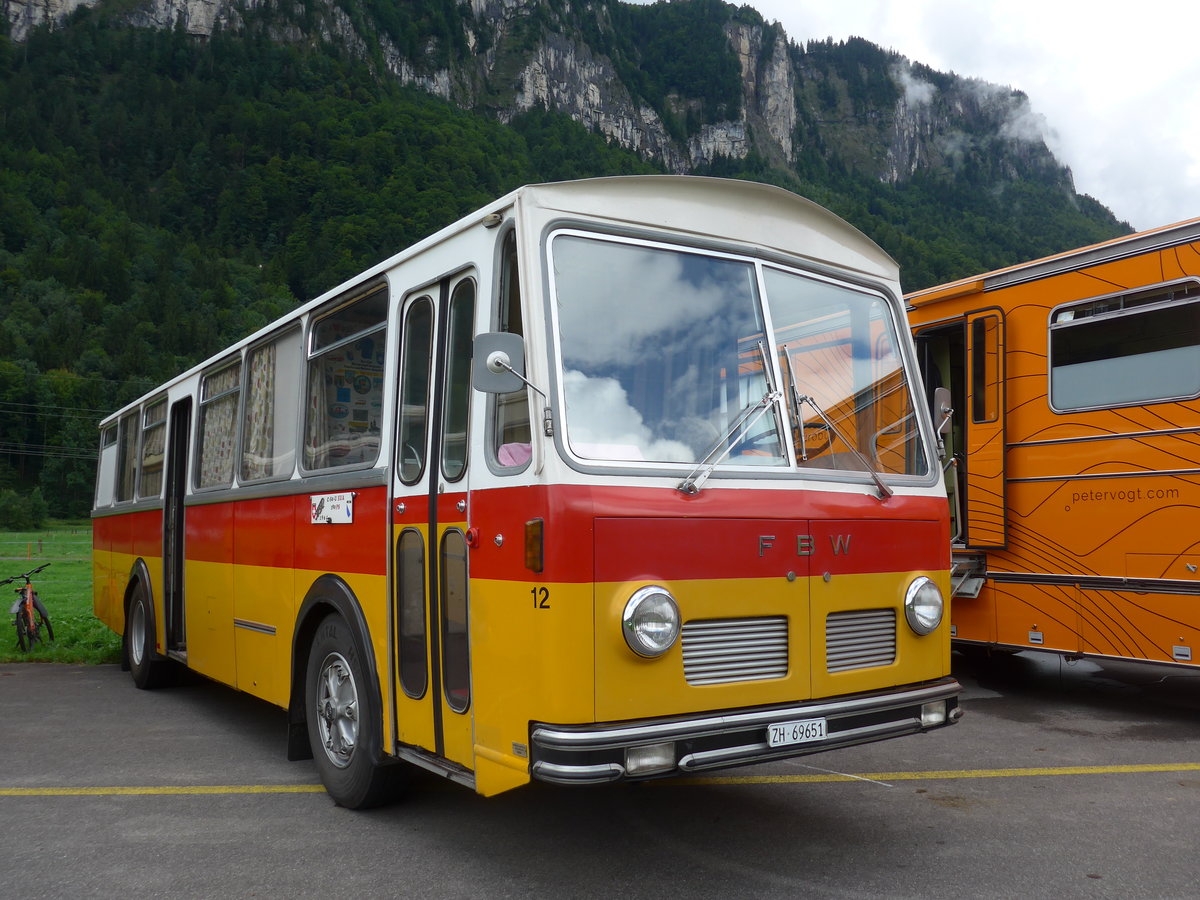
column 860, row 639
column 718, row 651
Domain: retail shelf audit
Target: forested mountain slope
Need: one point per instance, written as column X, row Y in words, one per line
column 175, row 173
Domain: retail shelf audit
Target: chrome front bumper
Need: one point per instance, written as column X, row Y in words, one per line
column 593, row 754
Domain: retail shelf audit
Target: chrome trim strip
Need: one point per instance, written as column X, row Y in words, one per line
column 1101, row 582
column 1156, row 472
column 601, row 738
column 1120, row 248
column 1083, row 654
column 1126, row 435
column 435, row 765
column 560, row 774
column 761, row 752
column 310, row 484
column 260, row 627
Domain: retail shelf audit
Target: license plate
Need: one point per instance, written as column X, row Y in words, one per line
column 782, row 734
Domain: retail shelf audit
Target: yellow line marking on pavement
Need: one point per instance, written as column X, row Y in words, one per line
column 876, row 777
column 947, row 774
column 163, row 789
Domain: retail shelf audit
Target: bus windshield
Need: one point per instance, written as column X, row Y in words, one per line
column 662, row 353
column 851, row 402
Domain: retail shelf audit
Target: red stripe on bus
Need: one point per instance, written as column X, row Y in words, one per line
column 135, row 533
column 716, row 535
column 635, row 549
column 590, row 533
column 278, row 532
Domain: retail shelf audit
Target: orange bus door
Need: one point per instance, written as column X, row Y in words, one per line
column 984, row 505
column 431, row 658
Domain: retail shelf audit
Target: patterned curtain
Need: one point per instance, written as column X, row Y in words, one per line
column 259, row 436
column 316, row 428
column 218, row 430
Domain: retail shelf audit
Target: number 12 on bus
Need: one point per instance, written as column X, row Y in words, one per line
column 612, row 479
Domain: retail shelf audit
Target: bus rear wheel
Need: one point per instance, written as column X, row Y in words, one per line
column 343, row 721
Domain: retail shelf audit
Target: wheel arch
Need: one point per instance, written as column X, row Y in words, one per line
column 328, row 594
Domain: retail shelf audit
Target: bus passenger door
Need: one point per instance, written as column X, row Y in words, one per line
column 431, row 658
column 967, row 357
column 984, row 416
column 180, row 427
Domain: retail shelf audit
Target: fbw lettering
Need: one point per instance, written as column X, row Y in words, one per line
column 806, row 544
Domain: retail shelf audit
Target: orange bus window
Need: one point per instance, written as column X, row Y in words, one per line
column 985, row 369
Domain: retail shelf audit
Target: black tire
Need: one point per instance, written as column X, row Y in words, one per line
column 343, row 716
column 147, row 668
column 24, row 638
column 43, row 617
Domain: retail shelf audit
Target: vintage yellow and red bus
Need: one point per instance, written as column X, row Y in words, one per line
column 612, row 479
column 1076, row 381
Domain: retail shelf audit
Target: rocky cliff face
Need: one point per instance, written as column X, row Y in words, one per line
column 525, row 53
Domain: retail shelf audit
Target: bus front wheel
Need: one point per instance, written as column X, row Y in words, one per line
column 343, row 721
column 146, row 667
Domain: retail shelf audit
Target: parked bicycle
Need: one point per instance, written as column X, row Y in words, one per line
column 29, row 615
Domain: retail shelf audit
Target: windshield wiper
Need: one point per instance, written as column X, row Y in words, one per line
column 884, row 490
column 745, row 420
column 794, row 403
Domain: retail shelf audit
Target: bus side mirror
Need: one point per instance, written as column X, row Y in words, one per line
column 943, row 412
column 498, row 364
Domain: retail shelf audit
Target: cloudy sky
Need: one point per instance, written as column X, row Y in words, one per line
column 1118, row 85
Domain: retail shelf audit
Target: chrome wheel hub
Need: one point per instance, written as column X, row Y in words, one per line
column 137, row 633
column 337, row 709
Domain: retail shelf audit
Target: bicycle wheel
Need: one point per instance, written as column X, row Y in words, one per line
column 43, row 618
column 24, row 639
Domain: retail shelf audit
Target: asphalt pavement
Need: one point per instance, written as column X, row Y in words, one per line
column 1062, row 780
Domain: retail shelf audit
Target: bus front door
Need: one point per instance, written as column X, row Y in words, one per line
column 173, row 527
column 966, row 356
column 986, row 500
column 431, row 678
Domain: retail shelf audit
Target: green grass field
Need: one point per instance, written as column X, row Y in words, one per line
column 65, row 589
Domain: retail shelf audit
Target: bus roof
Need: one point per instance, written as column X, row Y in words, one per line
column 1072, row 260
column 747, row 212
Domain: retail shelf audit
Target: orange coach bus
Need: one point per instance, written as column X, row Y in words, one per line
column 1076, row 484
column 612, row 479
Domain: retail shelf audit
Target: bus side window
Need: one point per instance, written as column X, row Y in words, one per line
column 345, row 384
column 154, row 442
column 511, row 445
column 106, row 467
column 272, row 401
column 219, row 392
column 126, row 459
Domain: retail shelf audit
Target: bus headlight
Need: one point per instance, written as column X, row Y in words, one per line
column 650, row 622
column 923, row 605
